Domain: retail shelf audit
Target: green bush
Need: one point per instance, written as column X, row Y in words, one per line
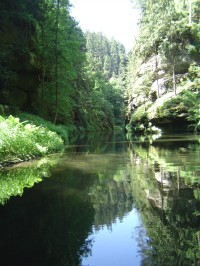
column 20, row 141
column 61, row 130
column 174, row 107
column 98, row 114
column 186, row 104
column 193, row 109
column 140, row 115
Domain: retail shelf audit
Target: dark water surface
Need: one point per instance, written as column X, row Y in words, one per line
column 104, row 202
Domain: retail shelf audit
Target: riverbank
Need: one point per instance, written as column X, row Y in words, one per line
column 21, row 141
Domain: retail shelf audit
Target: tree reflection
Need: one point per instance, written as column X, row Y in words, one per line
column 162, row 182
column 171, row 214
column 89, row 190
column 49, row 224
column 15, row 179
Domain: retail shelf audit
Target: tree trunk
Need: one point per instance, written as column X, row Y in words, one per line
column 43, row 70
column 178, row 178
column 158, row 88
column 56, row 60
column 174, row 80
column 190, row 12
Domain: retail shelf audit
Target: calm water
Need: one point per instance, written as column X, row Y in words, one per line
column 104, row 202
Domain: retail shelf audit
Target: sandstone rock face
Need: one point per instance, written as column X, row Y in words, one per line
column 162, row 83
column 153, row 87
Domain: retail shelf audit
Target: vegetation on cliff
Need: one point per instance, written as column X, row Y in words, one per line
column 163, row 68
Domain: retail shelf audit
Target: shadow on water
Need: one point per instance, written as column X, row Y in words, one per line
column 47, row 226
column 100, row 184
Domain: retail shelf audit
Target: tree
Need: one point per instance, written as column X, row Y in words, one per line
column 174, row 49
column 62, row 56
column 106, row 56
column 56, row 57
column 106, row 68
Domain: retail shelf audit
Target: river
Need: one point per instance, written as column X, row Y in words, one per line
column 105, row 201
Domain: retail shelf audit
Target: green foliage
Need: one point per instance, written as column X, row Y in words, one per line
column 61, row 130
column 105, row 72
column 139, row 122
column 140, row 115
column 98, row 113
column 116, row 98
column 105, row 56
column 61, row 45
column 174, row 107
column 194, row 77
column 19, row 141
column 156, row 18
column 45, row 69
column 185, row 105
column 193, row 109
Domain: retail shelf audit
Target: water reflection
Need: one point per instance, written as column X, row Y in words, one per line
column 110, row 203
column 49, row 224
column 116, row 244
column 169, row 201
column 13, row 180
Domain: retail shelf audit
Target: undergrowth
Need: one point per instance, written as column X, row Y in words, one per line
column 21, row 141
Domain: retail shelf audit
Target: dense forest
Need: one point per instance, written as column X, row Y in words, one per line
column 47, row 70
column 53, row 74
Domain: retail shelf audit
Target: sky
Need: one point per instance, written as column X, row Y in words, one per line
column 114, row 18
